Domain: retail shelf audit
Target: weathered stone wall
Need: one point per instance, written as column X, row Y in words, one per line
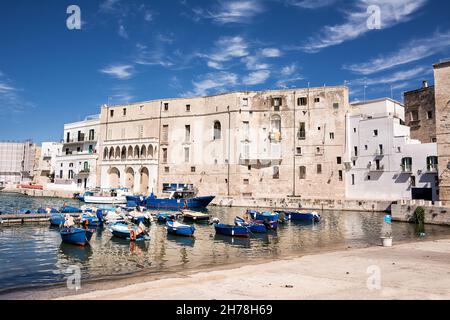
column 442, row 93
column 434, row 214
column 421, row 101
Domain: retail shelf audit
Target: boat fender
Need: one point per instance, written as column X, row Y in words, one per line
column 133, row 235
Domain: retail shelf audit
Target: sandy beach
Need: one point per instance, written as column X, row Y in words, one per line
column 419, row 270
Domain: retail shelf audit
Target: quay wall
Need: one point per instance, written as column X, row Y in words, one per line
column 42, row 193
column 295, row 203
column 437, row 213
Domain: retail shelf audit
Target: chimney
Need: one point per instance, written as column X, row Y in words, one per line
column 424, row 84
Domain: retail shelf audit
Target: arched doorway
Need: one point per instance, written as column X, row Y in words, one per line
column 114, row 178
column 144, row 181
column 129, row 179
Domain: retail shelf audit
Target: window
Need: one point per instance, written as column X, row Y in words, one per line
column 245, row 102
column 188, row 107
column 354, row 130
column 407, row 164
column 164, row 154
column 246, row 181
column 302, row 173
column 217, row 130
column 86, row 166
column 60, row 174
column 166, row 169
column 432, row 164
column 91, row 149
column 276, row 103
column 186, row 155
column 91, row 135
column 71, row 175
column 78, row 149
column 68, row 137
column 378, row 164
column 141, row 109
column 276, row 173
column 302, row 101
column 336, row 105
column 319, row 128
column 366, row 147
column 299, row 150
column 193, row 169
column 430, row 115
column 187, row 134
column 380, row 149
column 249, row 168
column 353, row 179
column 275, row 123
column 331, row 135
column 71, row 165
column 319, row 169
column 341, row 177
column 356, row 151
column 375, row 133
column 124, row 112
column 166, row 106
column 317, row 100
column 339, row 160
column 111, row 113
column 415, row 115
column 413, row 181
column 165, row 133
column 302, row 131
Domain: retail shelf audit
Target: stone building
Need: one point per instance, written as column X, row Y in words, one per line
column 242, row 144
column 383, row 161
column 442, row 94
column 76, row 165
column 17, row 160
column 420, row 115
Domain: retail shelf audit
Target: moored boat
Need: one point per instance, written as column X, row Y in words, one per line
column 232, row 231
column 80, row 237
column 194, row 216
column 57, row 219
column 116, row 196
column 176, row 228
column 128, row 231
column 253, row 226
column 164, row 217
column 301, row 216
column 263, row 216
column 89, row 220
column 179, row 196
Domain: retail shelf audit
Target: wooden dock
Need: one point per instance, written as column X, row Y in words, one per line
column 14, row 219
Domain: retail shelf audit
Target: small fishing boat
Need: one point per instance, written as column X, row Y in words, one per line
column 89, row 220
column 57, row 219
column 165, row 217
column 232, row 231
column 301, row 216
column 176, row 228
column 116, row 196
column 80, row 237
column 195, row 216
column 140, row 217
column 179, row 196
column 129, row 231
column 263, row 216
column 253, row 226
column 69, row 209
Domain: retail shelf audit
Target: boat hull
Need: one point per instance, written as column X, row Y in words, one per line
column 177, row 204
column 57, row 220
column 302, row 216
column 79, row 237
column 232, row 231
column 105, row 200
column 180, row 230
column 123, row 232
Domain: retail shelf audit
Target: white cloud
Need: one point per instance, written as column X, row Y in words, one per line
column 257, row 77
column 11, row 100
column 231, row 11
column 122, row 32
column 227, row 48
column 355, row 25
column 271, row 52
column 413, row 51
column 289, row 70
column 254, row 63
column 119, row 71
column 213, row 82
column 311, row 4
column 5, row 88
column 399, row 76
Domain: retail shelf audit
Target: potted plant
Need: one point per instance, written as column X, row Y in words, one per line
column 386, row 238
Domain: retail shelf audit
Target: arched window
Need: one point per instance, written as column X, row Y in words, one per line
column 105, row 154
column 136, row 152
column 143, row 152
column 217, row 130
column 117, row 153
column 130, row 152
column 123, row 155
column 86, row 166
column 302, row 172
column 111, row 153
column 150, row 152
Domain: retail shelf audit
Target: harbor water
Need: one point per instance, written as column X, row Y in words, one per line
column 33, row 255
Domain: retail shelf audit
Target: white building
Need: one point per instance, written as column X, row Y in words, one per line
column 17, row 162
column 47, row 161
column 382, row 161
column 76, row 165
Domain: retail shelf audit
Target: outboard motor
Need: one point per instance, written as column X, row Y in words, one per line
column 100, row 215
column 215, row 221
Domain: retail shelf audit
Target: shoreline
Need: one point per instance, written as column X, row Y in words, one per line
column 407, row 270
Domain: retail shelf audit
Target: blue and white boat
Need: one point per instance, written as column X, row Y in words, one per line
column 232, row 231
column 165, row 217
column 128, row 231
column 79, row 237
column 57, row 219
column 180, row 196
column 313, row 217
column 176, row 228
column 254, row 227
column 90, row 220
column 263, row 216
column 69, row 209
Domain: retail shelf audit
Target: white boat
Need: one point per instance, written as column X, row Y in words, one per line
column 117, row 196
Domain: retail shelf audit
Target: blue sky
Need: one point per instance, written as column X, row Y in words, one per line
column 135, row 50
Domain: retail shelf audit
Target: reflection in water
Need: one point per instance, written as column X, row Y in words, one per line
column 33, row 254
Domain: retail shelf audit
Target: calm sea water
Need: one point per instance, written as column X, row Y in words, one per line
column 33, row 255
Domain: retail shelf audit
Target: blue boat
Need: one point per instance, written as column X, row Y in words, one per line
column 253, row 226
column 263, row 216
column 80, row 237
column 57, row 219
column 69, row 209
column 179, row 229
column 128, row 232
column 232, row 231
column 180, row 196
column 313, row 217
column 165, row 217
column 90, row 221
column 135, row 201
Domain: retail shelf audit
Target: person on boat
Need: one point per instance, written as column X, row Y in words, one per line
column 69, row 222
